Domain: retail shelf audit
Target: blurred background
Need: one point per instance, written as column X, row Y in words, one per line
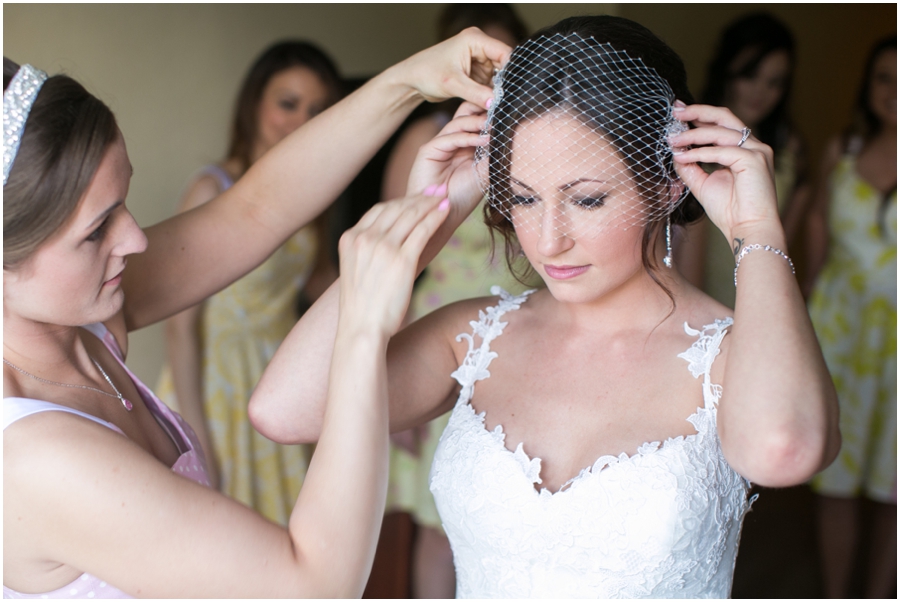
column 171, row 72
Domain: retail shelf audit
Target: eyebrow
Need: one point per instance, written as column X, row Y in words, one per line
column 104, row 215
column 562, row 188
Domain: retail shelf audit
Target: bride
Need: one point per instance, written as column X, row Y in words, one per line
column 604, row 430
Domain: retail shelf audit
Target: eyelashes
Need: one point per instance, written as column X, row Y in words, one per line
column 99, row 232
column 586, row 202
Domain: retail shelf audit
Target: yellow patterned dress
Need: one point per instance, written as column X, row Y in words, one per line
column 242, row 327
column 854, row 311
column 464, row 269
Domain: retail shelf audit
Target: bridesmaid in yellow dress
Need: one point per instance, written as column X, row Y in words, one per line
column 852, row 240
column 218, row 350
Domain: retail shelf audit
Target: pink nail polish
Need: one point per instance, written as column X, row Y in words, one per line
column 489, row 102
column 441, row 190
column 679, row 105
column 444, row 205
column 430, row 190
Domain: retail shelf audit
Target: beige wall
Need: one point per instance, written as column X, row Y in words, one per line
column 170, row 73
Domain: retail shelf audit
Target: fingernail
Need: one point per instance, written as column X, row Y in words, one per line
column 430, row 190
column 489, row 102
column 444, row 205
column 679, row 105
column 440, row 191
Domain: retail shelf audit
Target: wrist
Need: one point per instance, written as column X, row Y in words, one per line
column 398, row 87
column 763, row 233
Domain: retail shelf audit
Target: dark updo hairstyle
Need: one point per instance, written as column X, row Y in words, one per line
column 277, row 58
column 66, row 136
column 561, row 82
column 456, row 17
column 762, row 34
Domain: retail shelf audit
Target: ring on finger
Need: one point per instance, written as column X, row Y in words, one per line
column 745, row 133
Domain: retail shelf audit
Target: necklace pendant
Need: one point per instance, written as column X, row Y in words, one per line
column 127, row 404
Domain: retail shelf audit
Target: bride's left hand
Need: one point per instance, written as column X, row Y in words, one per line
column 742, row 194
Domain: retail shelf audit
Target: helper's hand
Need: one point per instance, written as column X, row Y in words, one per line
column 379, row 258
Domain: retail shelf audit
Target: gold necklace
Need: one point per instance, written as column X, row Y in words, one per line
column 125, row 403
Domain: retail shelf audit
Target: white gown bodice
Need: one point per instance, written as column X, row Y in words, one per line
column 663, row 523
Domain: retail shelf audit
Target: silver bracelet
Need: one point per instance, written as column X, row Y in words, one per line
column 749, row 248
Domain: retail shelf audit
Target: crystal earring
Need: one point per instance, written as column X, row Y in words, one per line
column 668, row 258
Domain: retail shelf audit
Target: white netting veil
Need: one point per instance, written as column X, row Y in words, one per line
column 579, row 140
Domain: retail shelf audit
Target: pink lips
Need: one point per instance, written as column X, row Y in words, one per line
column 564, row 272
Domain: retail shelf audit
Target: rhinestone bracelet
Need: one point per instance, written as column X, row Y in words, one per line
column 754, row 247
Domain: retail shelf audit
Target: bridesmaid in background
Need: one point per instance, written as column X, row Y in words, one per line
column 218, row 350
column 751, row 75
column 852, row 263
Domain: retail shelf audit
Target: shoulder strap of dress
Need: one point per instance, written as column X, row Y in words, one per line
column 488, row 327
column 100, row 331
column 16, row 408
column 221, row 176
column 703, row 353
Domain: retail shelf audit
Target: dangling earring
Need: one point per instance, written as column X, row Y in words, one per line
column 668, row 258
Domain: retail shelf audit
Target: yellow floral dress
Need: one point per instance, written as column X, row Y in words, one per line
column 464, row 269
column 242, row 327
column 854, row 311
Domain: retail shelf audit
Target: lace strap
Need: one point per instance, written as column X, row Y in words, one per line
column 703, row 353
column 488, row 327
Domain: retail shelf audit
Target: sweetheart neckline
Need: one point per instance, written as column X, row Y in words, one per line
column 643, row 449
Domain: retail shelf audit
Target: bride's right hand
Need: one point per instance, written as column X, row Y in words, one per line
column 379, row 258
column 448, row 159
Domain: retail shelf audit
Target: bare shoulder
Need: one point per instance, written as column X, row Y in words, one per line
column 203, row 189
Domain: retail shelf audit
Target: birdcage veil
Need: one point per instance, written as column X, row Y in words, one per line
column 579, row 139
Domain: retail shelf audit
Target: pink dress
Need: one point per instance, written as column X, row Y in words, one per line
column 191, row 464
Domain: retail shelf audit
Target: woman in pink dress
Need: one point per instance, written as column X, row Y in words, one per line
column 96, row 503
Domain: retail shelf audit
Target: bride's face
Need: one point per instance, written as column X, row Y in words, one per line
column 575, row 207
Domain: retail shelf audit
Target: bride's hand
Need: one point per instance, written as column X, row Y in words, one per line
column 379, row 258
column 460, row 67
column 740, row 196
column 448, row 159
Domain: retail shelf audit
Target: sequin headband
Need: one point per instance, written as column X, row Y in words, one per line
column 579, row 139
column 17, row 100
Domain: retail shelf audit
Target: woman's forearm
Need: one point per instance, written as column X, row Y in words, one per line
column 218, row 242
column 288, row 404
column 336, row 521
column 778, row 417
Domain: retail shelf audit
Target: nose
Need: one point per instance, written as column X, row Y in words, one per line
column 133, row 240
column 554, row 237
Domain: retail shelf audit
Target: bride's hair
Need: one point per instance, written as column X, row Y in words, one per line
column 580, row 66
column 66, row 135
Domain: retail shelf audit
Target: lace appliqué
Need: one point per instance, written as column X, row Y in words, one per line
column 662, row 523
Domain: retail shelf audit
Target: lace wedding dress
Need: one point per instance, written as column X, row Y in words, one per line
column 663, row 523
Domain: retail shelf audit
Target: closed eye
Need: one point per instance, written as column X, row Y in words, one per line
column 522, row 199
column 98, row 233
column 591, row 202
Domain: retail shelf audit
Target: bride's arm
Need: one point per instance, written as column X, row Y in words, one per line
column 778, row 416
column 288, row 402
column 197, row 253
